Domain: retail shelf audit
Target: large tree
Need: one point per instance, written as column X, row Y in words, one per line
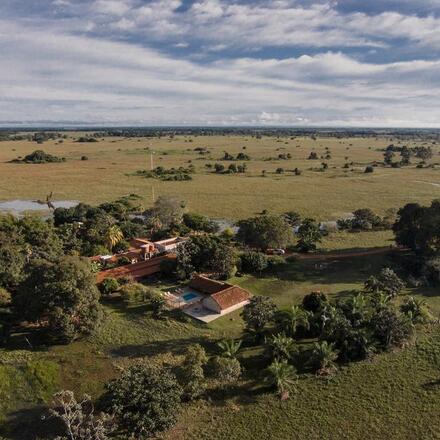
column 205, row 253
column 61, row 295
column 265, row 231
column 145, row 400
column 418, row 227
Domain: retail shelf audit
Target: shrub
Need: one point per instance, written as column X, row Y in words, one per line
column 369, row 169
column 253, row 262
column 5, row 297
column 84, row 158
column 109, row 286
column 226, row 370
column 133, row 292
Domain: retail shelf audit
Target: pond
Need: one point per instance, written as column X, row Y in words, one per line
column 19, row 207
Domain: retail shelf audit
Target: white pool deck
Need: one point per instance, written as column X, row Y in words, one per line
column 197, row 311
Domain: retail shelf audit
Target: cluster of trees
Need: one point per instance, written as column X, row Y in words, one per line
column 171, row 174
column 418, row 228
column 365, row 219
column 406, row 153
column 39, row 157
column 239, row 156
column 231, row 169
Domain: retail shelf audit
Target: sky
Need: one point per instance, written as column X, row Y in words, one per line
column 355, row 63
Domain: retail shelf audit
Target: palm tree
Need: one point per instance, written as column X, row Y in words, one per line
column 296, row 317
column 281, row 346
column 324, row 356
column 229, row 348
column 113, row 236
column 282, row 376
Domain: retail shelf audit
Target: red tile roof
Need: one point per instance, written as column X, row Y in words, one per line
column 230, row 297
column 136, row 270
column 224, row 294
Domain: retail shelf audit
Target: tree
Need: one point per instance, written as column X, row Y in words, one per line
column 227, row 370
column 416, row 310
column 167, row 211
column 293, row 218
column 193, row 376
column 109, row 286
column 253, row 262
column 145, row 400
column 113, row 236
column 206, row 253
column 309, row 235
column 281, row 375
column 386, row 282
column 61, row 294
column 198, row 222
column 294, row 318
column 281, row 346
column 12, row 263
column 390, row 329
column 265, row 231
column 323, row 356
column 229, row 348
column 79, row 419
column 258, row 313
column 158, row 304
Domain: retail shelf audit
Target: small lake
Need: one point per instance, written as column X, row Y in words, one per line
column 19, row 207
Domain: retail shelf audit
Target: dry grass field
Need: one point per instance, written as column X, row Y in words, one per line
column 323, row 195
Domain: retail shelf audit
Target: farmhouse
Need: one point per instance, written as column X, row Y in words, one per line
column 206, row 299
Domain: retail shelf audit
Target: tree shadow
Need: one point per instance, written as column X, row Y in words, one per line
column 31, row 423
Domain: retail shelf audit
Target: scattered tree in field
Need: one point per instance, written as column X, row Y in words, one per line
column 61, row 294
column 309, row 235
column 265, row 231
column 282, row 376
column 79, row 418
column 145, row 400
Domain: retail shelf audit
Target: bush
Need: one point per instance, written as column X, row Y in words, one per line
column 145, row 400
column 369, row 169
column 253, row 262
column 5, row 297
column 226, row 370
column 109, row 286
column 121, row 246
column 84, row 158
column 135, row 292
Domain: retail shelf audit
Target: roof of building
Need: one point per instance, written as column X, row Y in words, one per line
column 224, row 294
column 206, row 285
column 230, row 297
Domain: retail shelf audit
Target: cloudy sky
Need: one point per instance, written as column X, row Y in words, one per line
column 220, row 62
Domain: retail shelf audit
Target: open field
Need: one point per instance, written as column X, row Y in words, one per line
column 322, row 195
column 395, row 395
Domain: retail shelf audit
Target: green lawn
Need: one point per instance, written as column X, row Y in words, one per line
column 395, row 395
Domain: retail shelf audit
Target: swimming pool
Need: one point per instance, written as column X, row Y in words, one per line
column 189, row 296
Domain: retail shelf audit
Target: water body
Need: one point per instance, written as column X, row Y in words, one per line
column 20, row 207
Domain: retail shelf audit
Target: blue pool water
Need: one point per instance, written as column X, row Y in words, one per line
column 189, row 296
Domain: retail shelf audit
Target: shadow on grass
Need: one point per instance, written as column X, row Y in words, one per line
column 30, row 424
column 433, row 385
column 174, row 346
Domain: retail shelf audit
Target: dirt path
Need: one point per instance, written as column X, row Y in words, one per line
column 342, row 254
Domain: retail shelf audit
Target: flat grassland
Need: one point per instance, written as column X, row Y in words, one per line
column 324, row 195
column 395, row 395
